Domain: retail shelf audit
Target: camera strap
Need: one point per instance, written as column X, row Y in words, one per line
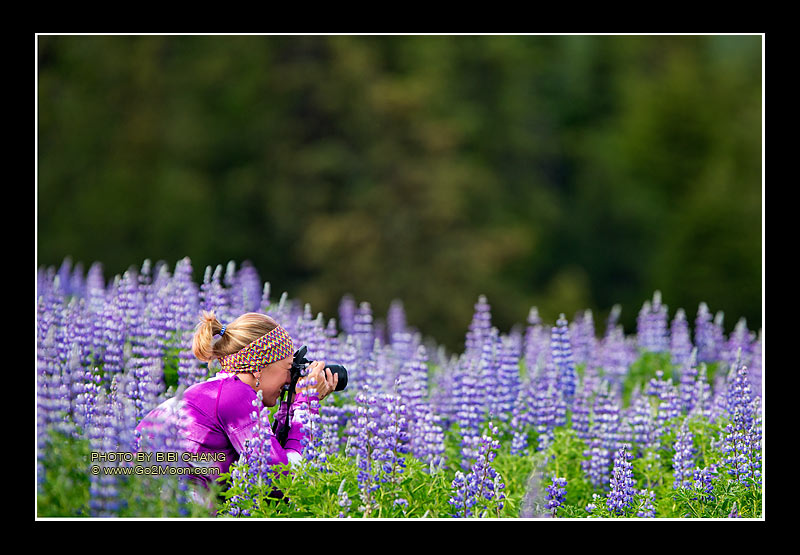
column 283, row 432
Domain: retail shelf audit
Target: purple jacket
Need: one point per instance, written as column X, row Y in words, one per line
column 214, row 421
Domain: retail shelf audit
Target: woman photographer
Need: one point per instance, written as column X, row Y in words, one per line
column 214, row 417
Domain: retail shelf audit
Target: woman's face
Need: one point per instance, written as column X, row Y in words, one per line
column 273, row 377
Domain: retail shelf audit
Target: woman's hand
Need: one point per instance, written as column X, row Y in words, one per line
column 326, row 380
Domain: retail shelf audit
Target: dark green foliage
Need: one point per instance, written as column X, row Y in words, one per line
column 565, row 172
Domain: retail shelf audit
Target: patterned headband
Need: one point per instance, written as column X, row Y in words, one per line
column 275, row 345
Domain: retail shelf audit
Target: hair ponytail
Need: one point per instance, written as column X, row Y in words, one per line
column 203, row 342
column 241, row 332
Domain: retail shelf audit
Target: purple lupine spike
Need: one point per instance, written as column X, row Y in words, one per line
column 249, row 283
column 396, row 319
column 144, row 280
column 332, row 340
column 347, row 314
column 536, row 342
column 414, row 380
column 740, row 341
column 604, row 434
column 64, row 273
column 669, row 408
column 488, row 368
column 596, row 465
column 77, row 282
column 737, row 442
column 212, row 295
column 363, row 328
column 482, row 486
column 651, row 326
column 606, row 417
column 683, row 459
column 393, row 438
column 113, row 333
column 319, row 339
column 330, row 418
column 680, row 345
column 754, row 437
column 687, row 382
column 703, row 483
column 95, row 288
column 103, row 487
column 615, row 357
column 548, row 411
column 581, row 411
column 622, row 482
column 519, row 425
column 508, row 380
column 556, row 494
column 427, row 438
column 479, row 327
column 702, row 397
column 642, row 426
column 362, row 445
column 705, row 335
column 184, row 305
column 561, row 349
column 584, row 342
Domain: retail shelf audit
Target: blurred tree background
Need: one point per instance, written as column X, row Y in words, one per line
column 563, row 172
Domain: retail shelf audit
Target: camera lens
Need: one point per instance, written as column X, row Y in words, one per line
column 342, row 372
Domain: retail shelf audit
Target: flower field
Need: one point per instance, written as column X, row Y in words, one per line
column 566, row 419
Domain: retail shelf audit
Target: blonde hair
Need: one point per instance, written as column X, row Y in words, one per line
column 238, row 334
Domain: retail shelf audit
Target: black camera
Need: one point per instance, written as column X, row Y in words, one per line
column 299, row 364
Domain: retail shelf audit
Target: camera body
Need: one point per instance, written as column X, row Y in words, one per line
column 299, row 364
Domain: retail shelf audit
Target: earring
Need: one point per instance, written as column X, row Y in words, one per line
column 257, row 380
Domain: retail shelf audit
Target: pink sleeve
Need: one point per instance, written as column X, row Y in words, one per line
column 234, row 411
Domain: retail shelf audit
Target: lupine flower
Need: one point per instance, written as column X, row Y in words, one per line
column 536, row 341
column 705, row 335
column 642, row 425
column 622, row 483
column 581, row 411
column 583, row 340
column 519, row 425
column 482, row 485
column 737, row 443
column 680, row 341
column 604, row 434
column 479, row 327
column 363, row 330
column 562, row 358
column 556, row 493
column 651, row 325
column 508, row 380
column 683, row 460
column 615, row 356
column 347, row 314
column 703, row 483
